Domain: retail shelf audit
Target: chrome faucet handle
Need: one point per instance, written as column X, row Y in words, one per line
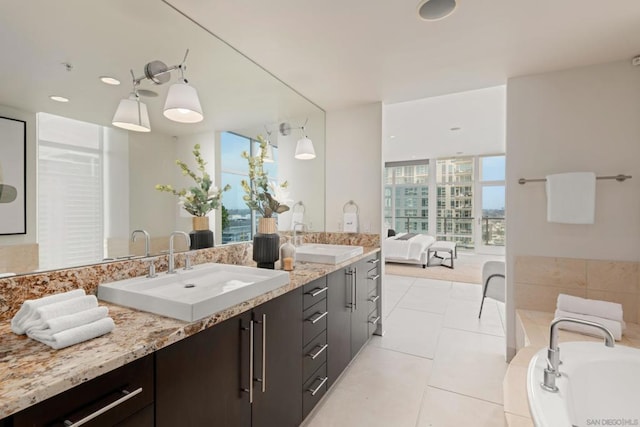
column 152, row 268
column 187, row 261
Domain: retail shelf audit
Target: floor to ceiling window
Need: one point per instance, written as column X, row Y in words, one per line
column 457, row 199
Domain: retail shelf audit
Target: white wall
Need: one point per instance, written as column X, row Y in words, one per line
column 354, row 165
column 583, row 119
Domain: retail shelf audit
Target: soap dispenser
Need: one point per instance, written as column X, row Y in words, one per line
column 287, row 256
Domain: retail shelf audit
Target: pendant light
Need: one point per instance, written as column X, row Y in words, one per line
column 132, row 114
column 182, row 104
column 304, row 148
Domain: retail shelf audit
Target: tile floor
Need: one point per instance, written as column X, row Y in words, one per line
column 436, row 365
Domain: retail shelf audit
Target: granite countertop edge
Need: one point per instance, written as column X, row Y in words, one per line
column 31, row 372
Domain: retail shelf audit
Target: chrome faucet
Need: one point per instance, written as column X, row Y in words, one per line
column 295, row 227
column 553, row 352
column 147, row 240
column 187, row 239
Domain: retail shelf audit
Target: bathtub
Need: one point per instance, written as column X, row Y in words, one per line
column 599, row 386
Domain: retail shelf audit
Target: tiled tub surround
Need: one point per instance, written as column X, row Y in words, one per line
column 539, row 280
column 534, row 329
column 31, row 372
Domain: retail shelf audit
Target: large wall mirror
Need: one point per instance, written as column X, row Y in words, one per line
column 79, row 166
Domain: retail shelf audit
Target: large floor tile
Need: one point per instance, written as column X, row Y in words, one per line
column 393, row 281
column 433, row 284
column 442, row 408
column 432, row 298
column 410, row 331
column 470, row 363
column 380, row 388
column 462, row 314
column 466, row 292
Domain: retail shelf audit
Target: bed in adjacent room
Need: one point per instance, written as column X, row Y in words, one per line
column 408, row 248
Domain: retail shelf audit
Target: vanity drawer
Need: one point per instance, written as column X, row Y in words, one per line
column 373, row 300
column 313, row 390
column 314, row 292
column 373, row 320
column 315, row 321
column 372, row 279
column 315, row 355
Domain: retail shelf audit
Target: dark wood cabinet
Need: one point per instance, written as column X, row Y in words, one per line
column 339, row 322
column 117, row 398
column 276, row 397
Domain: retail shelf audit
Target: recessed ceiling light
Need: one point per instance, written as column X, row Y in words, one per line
column 109, row 80
column 455, row 128
column 59, row 98
column 433, row 10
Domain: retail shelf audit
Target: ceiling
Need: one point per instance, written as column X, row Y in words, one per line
column 342, row 53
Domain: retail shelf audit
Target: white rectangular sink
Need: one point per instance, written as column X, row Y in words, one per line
column 193, row 294
column 327, row 254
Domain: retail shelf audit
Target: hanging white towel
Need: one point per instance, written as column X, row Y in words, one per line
column 571, row 198
column 614, row 327
column 27, row 311
column 77, row 335
column 350, row 222
column 297, row 218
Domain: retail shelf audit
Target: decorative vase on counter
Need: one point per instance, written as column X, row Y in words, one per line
column 201, row 236
column 266, row 243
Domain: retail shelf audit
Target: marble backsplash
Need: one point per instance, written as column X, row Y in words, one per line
column 15, row 290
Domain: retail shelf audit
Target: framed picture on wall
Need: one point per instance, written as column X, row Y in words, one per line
column 13, row 178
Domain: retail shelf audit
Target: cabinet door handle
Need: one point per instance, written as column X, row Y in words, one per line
column 313, row 356
column 318, row 317
column 374, row 299
column 354, row 290
column 375, row 321
column 264, row 352
column 376, row 277
column 313, row 391
column 317, row 291
column 374, row 261
column 127, row 395
column 250, row 389
column 350, row 273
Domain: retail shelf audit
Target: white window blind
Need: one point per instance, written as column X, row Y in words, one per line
column 70, row 195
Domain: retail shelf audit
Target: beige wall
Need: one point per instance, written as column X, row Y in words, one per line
column 354, row 165
column 583, row 119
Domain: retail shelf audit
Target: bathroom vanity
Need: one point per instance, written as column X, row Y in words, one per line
column 263, row 362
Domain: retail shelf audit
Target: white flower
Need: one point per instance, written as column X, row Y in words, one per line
column 279, row 193
column 213, row 191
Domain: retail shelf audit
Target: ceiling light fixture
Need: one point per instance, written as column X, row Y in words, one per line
column 58, row 98
column 182, row 104
column 304, row 147
column 112, row 81
column 434, row 10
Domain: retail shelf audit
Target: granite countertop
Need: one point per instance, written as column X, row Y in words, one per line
column 31, row 372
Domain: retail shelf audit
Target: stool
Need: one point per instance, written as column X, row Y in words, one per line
column 442, row 246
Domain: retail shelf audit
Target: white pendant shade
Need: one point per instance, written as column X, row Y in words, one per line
column 304, row 149
column 182, row 104
column 268, row 158
column 132, row 115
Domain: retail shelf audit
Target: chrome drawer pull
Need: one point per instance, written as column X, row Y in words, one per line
column 376, row 277
column 317, row 319
column 127, row 396
column 317, row 389
column 375, row 321
column 313, row 356
column 374, row 261
column 317, row 291
column 374, row 299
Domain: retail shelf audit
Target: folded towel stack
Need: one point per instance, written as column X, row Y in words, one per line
column 62, row 320
column 608, row 314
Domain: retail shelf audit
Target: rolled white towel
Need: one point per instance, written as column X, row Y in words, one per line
column 58, row 324
column 77, row 335
column 604, row 309
column 613, row 326
column 58, row 309
column 28, row 309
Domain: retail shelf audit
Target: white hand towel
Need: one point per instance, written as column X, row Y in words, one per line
column 604, row 309
column 77, row 335
column 28, row 309
column 350, row 222
column 614, row 327
column 571, row 198
column 62, row 323
column 57, row 309
column 297, row 218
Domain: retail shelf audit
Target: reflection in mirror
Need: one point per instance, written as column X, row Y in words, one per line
column 95, row 183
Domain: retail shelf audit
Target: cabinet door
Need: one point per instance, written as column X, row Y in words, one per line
column 360, row 314
column 277, row 400
column 338, row 323
column 199, row 380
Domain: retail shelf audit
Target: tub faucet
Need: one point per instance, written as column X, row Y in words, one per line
column 147, row 240
column 187, row 239
column 553, row 352
column 295, row 227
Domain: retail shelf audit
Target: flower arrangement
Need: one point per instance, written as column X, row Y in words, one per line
column 201, row 198
column 262, row 195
